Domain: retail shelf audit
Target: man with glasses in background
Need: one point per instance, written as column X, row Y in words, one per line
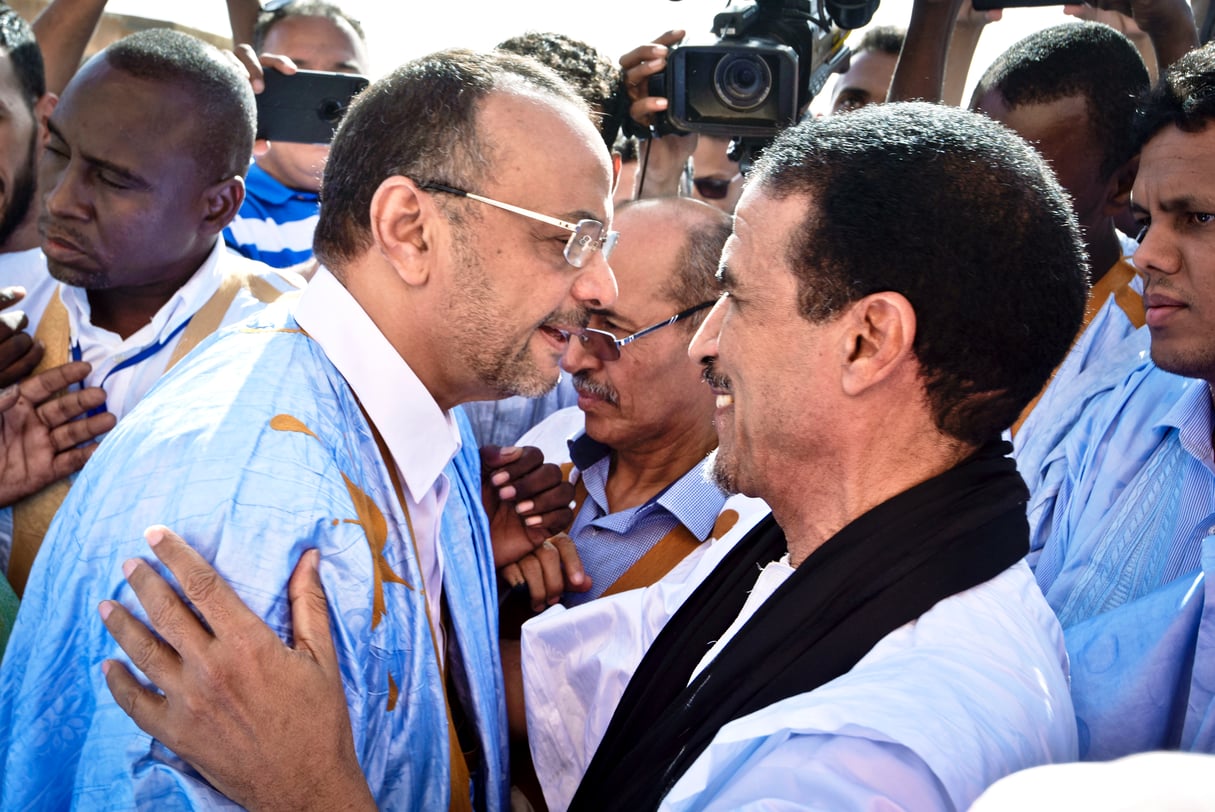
column 332, row 427
column 644, row 421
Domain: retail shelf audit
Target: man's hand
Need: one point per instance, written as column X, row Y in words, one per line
column 527, row 500
column 40, row 437
column 554, row 568
column 255, row 65
column 266, row 724
column 639, row 65
column 664, row 158
column 19, row 353
column 1168, row 24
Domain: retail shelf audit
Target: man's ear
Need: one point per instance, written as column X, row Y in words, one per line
column 1118, row 188
column 879, row 331
column 221, row 202
column 42, row 114
column 401, row 218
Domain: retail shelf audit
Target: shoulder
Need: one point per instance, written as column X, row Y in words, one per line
column 975, row 689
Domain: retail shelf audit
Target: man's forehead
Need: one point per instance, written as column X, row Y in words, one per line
column 1174, row 169
column 539, row 143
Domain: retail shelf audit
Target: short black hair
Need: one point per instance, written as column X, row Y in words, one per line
column 595, row 76
column 883, row 39
column 961, row 217
column 17, row 40
column 1184, row 97
column 226, row 115
column 267, row 19
column 420, row 121
column 1083, row 59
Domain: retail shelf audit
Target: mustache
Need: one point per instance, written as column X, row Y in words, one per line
column 583, row 383
column 563, row 320
column 712, row 377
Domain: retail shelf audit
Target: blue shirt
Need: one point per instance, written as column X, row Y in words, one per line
column 275, row 223
column 1133, row 499
column 610, row 543
column 1122, row 521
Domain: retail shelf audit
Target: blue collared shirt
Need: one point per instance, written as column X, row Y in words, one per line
column 610, row 543
column 275, row 223
column 1136, row 499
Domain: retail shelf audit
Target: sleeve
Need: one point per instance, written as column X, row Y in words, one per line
column 824, row 772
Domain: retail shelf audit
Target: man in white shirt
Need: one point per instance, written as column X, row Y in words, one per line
column 460, row 252
column 135, row 191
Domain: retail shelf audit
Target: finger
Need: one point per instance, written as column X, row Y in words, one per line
column 549, row 524
column 8, row 397
column 310, row 612
column 38, row 388
column 279, row 62
column 512, row 575
column 146, row 708
column 70, row 405
column 542, row 490
column 151, row 655
column 576, row 579
column 642, row 54
column 69, row 462
column 643, row 111
column 533, row 575
column 550, row 566
column 12, row 322
column 68, row 436
column 211, row 595
column 512, row 462
column 11, row 295
column 253, row 67
column 168, row 615
column 16, row 365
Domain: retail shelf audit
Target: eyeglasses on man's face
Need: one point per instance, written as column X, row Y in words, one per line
column 587, row 237
column 606, row 347
column 714, row 188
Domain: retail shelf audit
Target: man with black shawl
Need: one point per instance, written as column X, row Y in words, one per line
column 866, row 356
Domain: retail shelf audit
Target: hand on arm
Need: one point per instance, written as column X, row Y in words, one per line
column 231, row 690
column 40, row 435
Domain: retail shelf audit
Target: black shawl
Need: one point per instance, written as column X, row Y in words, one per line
column 883, row 570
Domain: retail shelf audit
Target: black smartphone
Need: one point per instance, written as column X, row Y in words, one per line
column 991, row 5
column 306, row 106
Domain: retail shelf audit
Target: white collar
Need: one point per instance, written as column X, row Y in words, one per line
column 185, row 302
column 421, row 436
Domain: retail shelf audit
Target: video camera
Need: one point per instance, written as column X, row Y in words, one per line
column 770, row 59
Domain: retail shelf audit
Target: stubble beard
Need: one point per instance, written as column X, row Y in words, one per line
column 502, row 369
column 21, row 195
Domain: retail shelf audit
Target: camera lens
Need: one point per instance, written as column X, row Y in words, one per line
column 742, row 81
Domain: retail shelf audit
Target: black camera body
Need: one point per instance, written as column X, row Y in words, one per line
column 738, row 88
column 770, row 59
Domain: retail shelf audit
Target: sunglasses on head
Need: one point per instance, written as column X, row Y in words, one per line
column 714, row 188
column 606, row 347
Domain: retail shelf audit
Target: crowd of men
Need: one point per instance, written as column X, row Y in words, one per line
column 890, row 474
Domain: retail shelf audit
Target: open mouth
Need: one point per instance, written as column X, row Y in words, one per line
column 558, row 336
